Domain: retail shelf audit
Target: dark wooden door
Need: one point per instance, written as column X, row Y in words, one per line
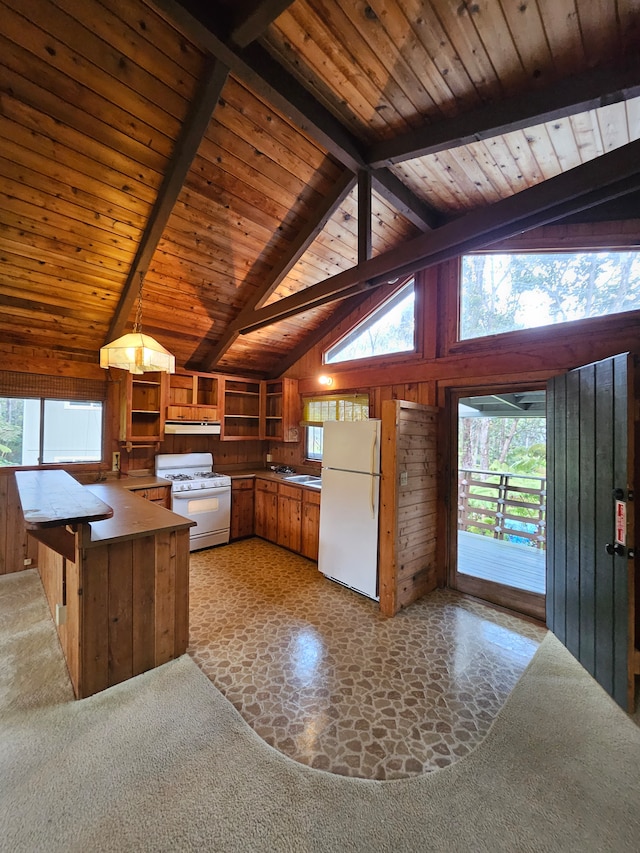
column 590, row 582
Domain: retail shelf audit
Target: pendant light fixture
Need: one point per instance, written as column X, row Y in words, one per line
column 136, row 352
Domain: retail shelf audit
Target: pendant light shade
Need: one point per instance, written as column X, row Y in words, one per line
column 136, row 352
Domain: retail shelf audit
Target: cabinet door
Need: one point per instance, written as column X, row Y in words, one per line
column 242, row 409
column 290, row 518
column 242, row 508
column 282, row 410
column 310, row 525
column 266, row 510
column 160, row 495
column 142, row 407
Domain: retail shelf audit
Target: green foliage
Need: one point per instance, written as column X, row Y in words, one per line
column 505, row 292
column 11, row 424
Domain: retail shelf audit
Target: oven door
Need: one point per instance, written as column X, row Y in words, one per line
column 211, row 511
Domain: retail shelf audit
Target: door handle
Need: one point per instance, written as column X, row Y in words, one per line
column 614, row 549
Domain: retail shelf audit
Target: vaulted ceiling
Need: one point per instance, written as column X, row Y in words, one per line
column 259, row 166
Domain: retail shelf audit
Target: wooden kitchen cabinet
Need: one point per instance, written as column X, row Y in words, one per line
column 193, row 397
column 310, row 538
column 242, row 508
column 142, row 407
column 160, row 495
column 242, row 415
column 289, row 532
column 288, row 515
column 282, row 410
column 266, row 510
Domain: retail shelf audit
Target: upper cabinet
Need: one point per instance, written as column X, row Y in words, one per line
column 193, row 397
column 142, row 407
column 247, row 409
column 241, row 408
column 282, row 410
column 255, row 409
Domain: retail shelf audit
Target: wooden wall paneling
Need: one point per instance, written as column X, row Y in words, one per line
column 416, row 547
column 71, row 630
column 388, row 569
column 408, row 510
column 120, row 597
column 180, row 558
column 94, row 631
column 50, row 571
column 165, row 611
column 15, row 547
column 143, row 604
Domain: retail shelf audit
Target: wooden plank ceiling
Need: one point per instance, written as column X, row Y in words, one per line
column 232, row 154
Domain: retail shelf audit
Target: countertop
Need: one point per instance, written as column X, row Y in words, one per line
column 264, row 474
column 112, row 510
column 55, row 499
column 133, row 483
column 133, row 516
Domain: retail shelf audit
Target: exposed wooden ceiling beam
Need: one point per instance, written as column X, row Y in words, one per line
column 195, row 125
column 316, row 223
column 364, row 215
column 199, row 20
column 610, row 176
column 268, row 79
column 316, row 335
column 422, row 215
column 256, row 20
column 577, row 94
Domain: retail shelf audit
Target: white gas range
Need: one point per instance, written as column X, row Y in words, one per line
column 198, row 493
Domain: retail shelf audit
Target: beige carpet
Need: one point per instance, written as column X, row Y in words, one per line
column 164, row 763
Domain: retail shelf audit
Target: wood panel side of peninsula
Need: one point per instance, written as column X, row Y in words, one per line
column 118, row 588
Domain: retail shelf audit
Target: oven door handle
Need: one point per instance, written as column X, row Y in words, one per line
column 190, row 494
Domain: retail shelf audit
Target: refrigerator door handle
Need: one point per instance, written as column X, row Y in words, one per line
column 372, row 464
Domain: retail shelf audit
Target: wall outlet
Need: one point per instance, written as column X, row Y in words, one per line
column 115, row 461
column 269, row 457
column 27, row 561
column 404, row 478
column 61, row 614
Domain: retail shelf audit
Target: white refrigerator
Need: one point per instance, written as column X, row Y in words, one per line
column 349, row 505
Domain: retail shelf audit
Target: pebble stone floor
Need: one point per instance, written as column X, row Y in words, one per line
column 321, row 676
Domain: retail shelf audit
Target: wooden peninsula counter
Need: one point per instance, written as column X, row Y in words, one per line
column 115, row 570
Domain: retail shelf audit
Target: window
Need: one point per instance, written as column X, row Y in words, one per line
column 388, row 329
column 334, row 407
column 36, row 431
column 507, row 292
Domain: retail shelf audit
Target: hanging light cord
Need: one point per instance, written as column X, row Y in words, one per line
column 137, row 325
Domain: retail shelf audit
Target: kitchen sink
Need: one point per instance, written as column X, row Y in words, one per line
column 305, row 479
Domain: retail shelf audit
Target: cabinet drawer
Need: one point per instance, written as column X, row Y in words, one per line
column 245, row 484
column 266, row 486
column 294, row 492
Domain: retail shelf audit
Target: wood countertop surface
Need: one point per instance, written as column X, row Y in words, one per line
column 55, row 499
column 133, row 516
column 112, row 510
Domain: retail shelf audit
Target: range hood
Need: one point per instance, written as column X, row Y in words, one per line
column 191, row 428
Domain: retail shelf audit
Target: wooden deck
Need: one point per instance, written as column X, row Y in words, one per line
column 519, row 566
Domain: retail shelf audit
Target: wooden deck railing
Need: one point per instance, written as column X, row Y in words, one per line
column 505, row 506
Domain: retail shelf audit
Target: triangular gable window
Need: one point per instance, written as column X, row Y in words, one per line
column 388, row 329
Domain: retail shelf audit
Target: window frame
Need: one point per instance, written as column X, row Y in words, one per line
column 308, row 425
column 534, row 334
column 81, row 465
column 388, row 358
